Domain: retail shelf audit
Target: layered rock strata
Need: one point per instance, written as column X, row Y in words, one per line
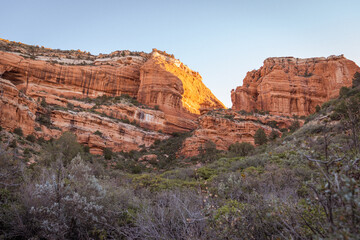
column 169, row 84
column 157, row 80
column 33, row 76
column 95, row 129
column 292, row 86
column 227, row 127
column 45, row 92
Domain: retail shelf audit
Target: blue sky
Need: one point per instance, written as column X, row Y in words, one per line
column 222, row 40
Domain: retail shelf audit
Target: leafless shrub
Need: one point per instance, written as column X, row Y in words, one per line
column 173, row 215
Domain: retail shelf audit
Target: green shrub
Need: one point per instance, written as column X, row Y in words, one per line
column 210, row 147
column 327, row 104
column 335, row 116
column 31, row 138
column 356, row 80
column 343, row 91
column 125, row 120
column 41, row 140
column 18, row 131
column 273, row 135
column 13, row 144
column 27, row 151
column 44, row 118
column 241, row 149
column 231, row 117
column 260, row 137
column 156, row 107
column 108, row 153
column 156, row 183
column 97, row 132
column 284, row 130
column 317, row 108
column 86, row 149
column 206, row 173
column 43, row 102
column 273, row 124
column 64, row 148
column 135, row 169
column 207, row 151
column 185, row 174
column 1, row 128
column 70, row 106
column 294, row 126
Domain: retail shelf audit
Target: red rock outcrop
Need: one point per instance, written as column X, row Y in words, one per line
column 31, row 75
column 293, row 86
column 116, row 135
column 174, row 87
column 19, row 110
column 227, row 127
column 157, row 80
column 16, row 109
column 34, row 76
column 171, row 86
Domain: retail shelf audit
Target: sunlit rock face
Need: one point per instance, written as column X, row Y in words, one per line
column 228, row 127
column 293, row 86
column 32, row 75
column 174, row 88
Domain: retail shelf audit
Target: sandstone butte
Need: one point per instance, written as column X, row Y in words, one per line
column 31, row 75
column 292, row 86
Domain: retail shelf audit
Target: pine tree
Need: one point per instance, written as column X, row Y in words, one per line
column 260, row 137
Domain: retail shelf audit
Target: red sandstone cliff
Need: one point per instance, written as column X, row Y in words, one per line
column 171, row 86
column 293, row 86
column 19, row 110
column 29, row 74
column 69, row 82
column 174, row 87
column 33, row 76
column 228, row 126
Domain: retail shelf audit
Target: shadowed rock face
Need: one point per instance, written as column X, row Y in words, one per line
column 228, row 126
column 72, row 81
column 19, row 110
column 293, row 86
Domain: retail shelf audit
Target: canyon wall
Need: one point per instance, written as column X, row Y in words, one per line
column 227, row 127
column 128, row 100
column 292, row 86
column 167, row 84
column 32, row 76
column 98, row 128
column 131, row 98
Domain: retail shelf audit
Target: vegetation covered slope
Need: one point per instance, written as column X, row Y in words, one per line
column 304, row 185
